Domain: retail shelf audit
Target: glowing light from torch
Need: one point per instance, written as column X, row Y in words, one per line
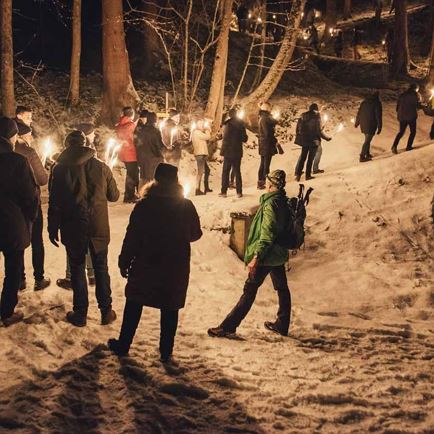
column 276, row 114
column 352, row 120
column 432, row 94
column 325, row 117
column 48, row 150
column 192, row 128
column 241, row 113
column 110, row 145
column 173, row 132
column 317, row 14
column 186, row 188
column 340, row 127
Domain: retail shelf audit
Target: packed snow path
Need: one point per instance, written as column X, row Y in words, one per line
column 360, row 353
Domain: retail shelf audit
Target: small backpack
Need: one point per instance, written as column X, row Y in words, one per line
column 293, row 236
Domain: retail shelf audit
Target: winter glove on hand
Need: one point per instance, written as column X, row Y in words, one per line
column 54, row 239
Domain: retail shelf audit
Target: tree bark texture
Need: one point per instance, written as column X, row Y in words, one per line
column 331, row 18
column 118, row 88
column 400, row 53
column 74, row 85
column 347, row 9
column 431, row 65
column 7, row 97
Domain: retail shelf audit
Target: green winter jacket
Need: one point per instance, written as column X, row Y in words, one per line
column 267, row 225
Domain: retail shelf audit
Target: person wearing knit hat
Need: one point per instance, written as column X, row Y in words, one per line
column 19, row 205
column 88, row 130
column 264, row 255
column 25, row 148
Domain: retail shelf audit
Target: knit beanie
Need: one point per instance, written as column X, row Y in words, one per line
column 76, row 138
column 277, row 178
column 8, row 128
column 314, row 107
column 166, row 173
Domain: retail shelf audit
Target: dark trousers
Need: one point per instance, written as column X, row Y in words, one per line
column 131, row 180
column 232, row 165
column 242, row 308
column 38, row 251
column 147, row 168
column 264, row 168
column 131, row 319
column 202, row 171
column 402, row 127
column 77, row 260
column 366, row 148
column 309, row 154
column 431, row 133
column 14, row 264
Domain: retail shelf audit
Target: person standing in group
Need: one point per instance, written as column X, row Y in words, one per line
column 149, row 145
column 80, row 186
column 234, row 135
column 370, row 119
column 310, row 133
column 127, row 154
column 155, row 258
column 19, row 207
column 356, row 41
column 338, row 43
column 23, row 116
column 389, row 42
column 88, row 129
column 199, row 137
column 409, row 102
column 264, row 256
column 172, row 138
column 24, row 147
column 313, row 39
column 267, row 142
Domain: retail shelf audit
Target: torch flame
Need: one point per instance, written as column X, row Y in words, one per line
column 186, row 188
column 241, row 114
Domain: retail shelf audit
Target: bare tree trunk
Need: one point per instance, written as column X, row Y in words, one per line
column 431, row 66
column 118, row 88
column 347, row 9
column 218, row 79
column 400, row 52
column 7, row 97
column 268, row 85
column 74, row 85
column 186, row 52
column 260, row 67
column 331, row 18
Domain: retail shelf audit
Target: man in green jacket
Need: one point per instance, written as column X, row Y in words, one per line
column 264, row 256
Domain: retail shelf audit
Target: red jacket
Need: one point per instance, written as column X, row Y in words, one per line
column 125, row 133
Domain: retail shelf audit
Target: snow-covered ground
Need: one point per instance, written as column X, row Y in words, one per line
column 360, row 353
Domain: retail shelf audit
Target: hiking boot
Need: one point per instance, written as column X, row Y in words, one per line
column 240, row 195
column 199, row 192
column 318, row 171
column 64, row 283
column 219, row 332
column 91, row 281
column 394, row 150
column 208, row 190
column 223, row 195
column 363, row 159
column 76, row 319
column 23, row 285
column 117, row 348
column 409, row 148
column 309, row 177
column 41, row 284
column 16, row 317
column 274, row 328
column 108, row 317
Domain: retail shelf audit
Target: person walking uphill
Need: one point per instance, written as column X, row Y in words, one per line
column 370, row 119
column 264, row 256
column 127, row 154
column 267, row 142
column 407, row 106
column 155, row 258
column 80, row 186
column 234, row 135
column 199, row 138
column 19, row 206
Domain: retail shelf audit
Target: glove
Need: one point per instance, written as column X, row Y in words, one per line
column 54, row 239
column 124, row 272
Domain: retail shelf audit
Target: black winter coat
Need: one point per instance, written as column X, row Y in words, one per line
column 407, row 106
column 267, row 138
column 370, row 115
column 310, row 129
column 80, row 186
column 19, row 198
column 148, row 141
column 156, row 248
column 234, row 135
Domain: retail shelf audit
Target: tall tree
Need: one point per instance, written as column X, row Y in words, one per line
column 74, row 84
column 214, row 108
column 400, row 51
column 118, row 88
column 7, row 97
column 330, row 19
column 431, row 65
column 347, row 9
column 270, row 82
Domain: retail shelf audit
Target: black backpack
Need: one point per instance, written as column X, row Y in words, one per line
column 293, row 236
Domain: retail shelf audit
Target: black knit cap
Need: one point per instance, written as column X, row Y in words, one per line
column 166, row 173
column 314, row 107
column 86, row 127
column 76, row 138
column 23, row 129
column 8, row 128
column 143, row 113
column 277, row 178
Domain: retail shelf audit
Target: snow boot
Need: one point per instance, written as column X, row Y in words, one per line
column 76, row 319
column 240, row 195
column 223, row 195
column 274, row 328
column 41, row 284
column 318, row 171
column 208, row 190
column 108, row 316
column 64, row 283
column 219, row 332
column 16, row 317
column 199, row 192
column 117, row 348
column 394, row 150
column 309, row 178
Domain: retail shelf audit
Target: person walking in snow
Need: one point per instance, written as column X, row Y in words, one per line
column 155, row 258
column 355, row 43
column 24, row 147
column 172, row 134
column 80, row 186
column 310, row 132
column 370, row 119
column 409, row 102
column 234, row 135
column 199, row 138
column 267, row 142
column 125, row 133
column 338, row 43
column 264, row 256
column 19, row 207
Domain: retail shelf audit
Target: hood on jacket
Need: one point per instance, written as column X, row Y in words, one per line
column 76, row 155
column 5, row 145
column 155, row 188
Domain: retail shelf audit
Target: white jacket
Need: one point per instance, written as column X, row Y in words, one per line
column 199, row 139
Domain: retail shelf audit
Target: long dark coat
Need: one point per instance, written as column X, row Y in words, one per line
column 80, row 186
column 156, row 248
column 407, row 106
column 19, row 198
column 266, row 137
column 234, row 135
column 370, row 115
